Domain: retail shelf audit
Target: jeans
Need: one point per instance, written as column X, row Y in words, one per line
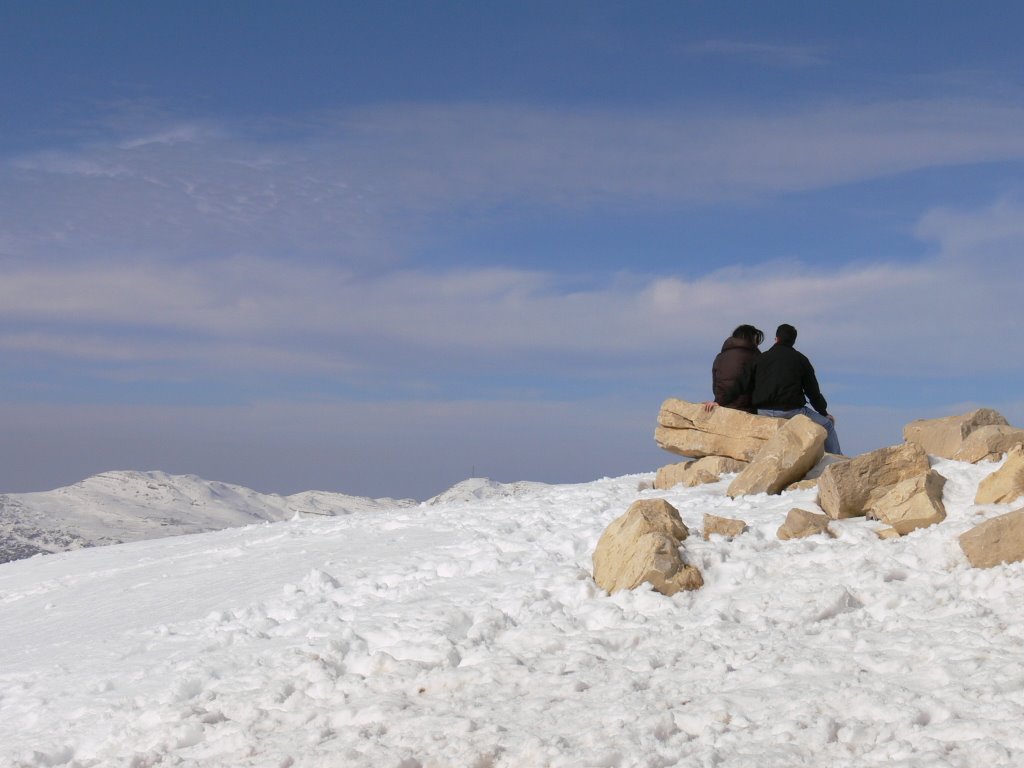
column 831, row 438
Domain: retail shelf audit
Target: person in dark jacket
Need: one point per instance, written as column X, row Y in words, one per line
column 737, row 352
column 780, row 383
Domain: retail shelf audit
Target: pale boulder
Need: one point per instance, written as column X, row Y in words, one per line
column 687, row 429
column 681, row 414
column 944, row 437
column 722, row 526
column 785, row 458
column 989, row 443
column 811, row 478
column 642, row 546
column 848, row 488
column 999, row 540
column 1006, row 484
column 800, row 523
column 912, row 504
column 697, row 472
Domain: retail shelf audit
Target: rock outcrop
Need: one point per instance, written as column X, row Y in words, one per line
column 999, row 540
column 1006, row 484
column 911, row 504
column 687, row 429
column 810, row 480
column 642, row 546
column 989, row 443
column 696, row 472
column 944, row 437
column 785, row 457
column 800, row 523
column 722, row 526
column 848, row 488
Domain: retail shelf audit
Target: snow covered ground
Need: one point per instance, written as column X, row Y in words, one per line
column 116, row 507
column 468, row 632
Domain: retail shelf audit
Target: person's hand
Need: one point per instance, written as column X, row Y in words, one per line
column 831, row 418
column 709, row 406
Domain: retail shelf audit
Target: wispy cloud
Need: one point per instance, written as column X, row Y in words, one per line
column 359, row 186
column 257, row 312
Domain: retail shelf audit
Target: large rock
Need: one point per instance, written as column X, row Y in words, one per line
column 848, row 488
column 999, row 540
column 800, row 523
column 723, row 526
column 912, row 504
column 643, row 546
column 1006, row 484
column 989, row 443
column 687, row 429
column 944, row 437
column 785, row 458
column 697, row 472
column 811, row 478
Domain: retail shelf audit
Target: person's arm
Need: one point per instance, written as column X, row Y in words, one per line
column 812, row 390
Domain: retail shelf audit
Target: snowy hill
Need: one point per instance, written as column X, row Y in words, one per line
column 470, row 633
column 117, row 507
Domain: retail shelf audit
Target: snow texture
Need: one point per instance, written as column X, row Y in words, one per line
column 468, row 632
column 117, row 507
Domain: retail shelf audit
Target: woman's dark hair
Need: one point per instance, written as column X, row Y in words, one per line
column 750, row 333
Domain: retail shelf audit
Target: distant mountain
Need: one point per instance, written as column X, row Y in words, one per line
column 117, row 507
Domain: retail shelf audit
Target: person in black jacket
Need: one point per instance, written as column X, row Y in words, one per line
column 781, row 381
column 737, row 352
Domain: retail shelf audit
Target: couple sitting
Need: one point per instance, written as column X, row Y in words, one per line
column 777, row 383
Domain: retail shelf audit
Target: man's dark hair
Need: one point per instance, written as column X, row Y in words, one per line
column 785, row 334
column 749, row 333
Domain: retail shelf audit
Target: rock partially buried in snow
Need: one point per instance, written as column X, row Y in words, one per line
column 642, row 546
column 912, row 504
column 811, row 478
column 999, row 540
column 785, row 458
column 1006, row 484
column 800, row 523
column 989, row 443
column 698, row 472
column 687, row 429
column 848, row 488
column 945, row 436
column 722, row 526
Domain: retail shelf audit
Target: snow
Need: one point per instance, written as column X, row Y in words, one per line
column 116, row 507
column 468, row 632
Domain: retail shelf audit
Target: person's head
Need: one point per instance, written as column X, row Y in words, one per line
column 785, row 334
column 749, row 333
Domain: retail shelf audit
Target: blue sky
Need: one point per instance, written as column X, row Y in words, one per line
column 377, row 247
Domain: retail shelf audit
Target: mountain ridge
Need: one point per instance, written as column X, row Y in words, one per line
column 119, row 506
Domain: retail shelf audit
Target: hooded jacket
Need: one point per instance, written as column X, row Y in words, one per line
column 727, row 369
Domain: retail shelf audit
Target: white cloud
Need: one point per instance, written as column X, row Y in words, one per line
column 868, row 317
column 363, row 186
